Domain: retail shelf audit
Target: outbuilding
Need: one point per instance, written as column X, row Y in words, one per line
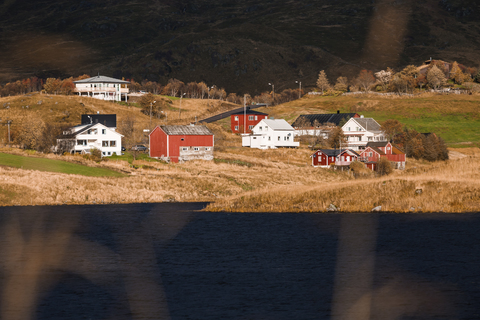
column 181, row 143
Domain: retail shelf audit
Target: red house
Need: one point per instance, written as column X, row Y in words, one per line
column 376, row 150
column 239, row 122
column 326, row 157
column 181, row 143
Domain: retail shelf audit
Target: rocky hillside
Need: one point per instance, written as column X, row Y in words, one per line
column 239, row 45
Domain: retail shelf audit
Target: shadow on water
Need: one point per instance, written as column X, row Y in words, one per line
column 170, row 261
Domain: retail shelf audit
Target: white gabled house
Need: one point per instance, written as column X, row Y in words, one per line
column 85, row 137
column 104, row 88
column 360, row 131
column 270, row 134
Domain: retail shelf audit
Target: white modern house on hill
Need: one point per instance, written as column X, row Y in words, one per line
column 270, row 134
column 360, row 131
column 104, row 88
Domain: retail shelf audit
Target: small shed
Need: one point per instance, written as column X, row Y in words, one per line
column 181, row 143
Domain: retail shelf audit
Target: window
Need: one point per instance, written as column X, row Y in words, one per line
column 348, row 129
column 288, row 138
column 236, row 118
column 104, row 143
column 254, row 138
column 196, row 149
column 250, row 117
column 104, row 131
column 278, row 138
column 113, row 143
column 103, row 153
column 370, row 154
column 183, row 139
column 269, row 138
column 184, row 148
column 260, row 128
column 81, row 142
column 236, row 128
column 369, row 138
column 207, row 149
column 255, row 117
column 109, row 153
column 250, row 127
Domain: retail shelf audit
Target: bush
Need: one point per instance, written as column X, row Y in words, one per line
column 384, row 167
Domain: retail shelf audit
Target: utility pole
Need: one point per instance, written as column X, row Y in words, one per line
column 244, row 112
column 151, row 113
column 300, row 89
column 180, row 109
column 273, row 90
column 8, row 125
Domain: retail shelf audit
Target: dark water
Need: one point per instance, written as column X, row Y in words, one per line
column 168, row 261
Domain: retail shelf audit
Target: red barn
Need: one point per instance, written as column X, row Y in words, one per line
column 238, row 121
column 181, row 143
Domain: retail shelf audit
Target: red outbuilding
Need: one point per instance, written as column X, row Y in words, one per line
column 239, row 122
column 181, row 143
column 326, row 157
column 384, row 149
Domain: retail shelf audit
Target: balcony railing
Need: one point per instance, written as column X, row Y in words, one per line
column 100, row 90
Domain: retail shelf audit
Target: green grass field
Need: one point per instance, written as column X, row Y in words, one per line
column 50, row 165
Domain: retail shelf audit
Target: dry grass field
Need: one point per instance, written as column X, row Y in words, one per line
column 253, row 180
column 243, row 179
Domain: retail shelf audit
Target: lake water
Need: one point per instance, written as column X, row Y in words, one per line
column 169, row 261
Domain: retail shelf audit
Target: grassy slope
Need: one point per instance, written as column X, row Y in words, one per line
column 50, row 165
column 456, row 118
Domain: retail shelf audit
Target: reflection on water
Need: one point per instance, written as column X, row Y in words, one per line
column 169, row 261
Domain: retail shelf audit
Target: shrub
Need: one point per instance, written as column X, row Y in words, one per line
column 384, row 167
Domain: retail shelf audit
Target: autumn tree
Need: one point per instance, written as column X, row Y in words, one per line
column 152, row 106
column 384, row 77
column 456, row 74
column 337, row 139
column 384, row 167
column 322, row 81
column 391, row 129
column 52, row 85
column 436, row 78
column 174, row 86
column 365, row 79
column 341, row 84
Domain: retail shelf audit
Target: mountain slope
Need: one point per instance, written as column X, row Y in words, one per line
column 238, row 45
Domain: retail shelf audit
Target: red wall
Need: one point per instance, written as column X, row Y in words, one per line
column 322, row 160
column 240, row 123
column 158, row 143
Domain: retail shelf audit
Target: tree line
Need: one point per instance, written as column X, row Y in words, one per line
column 435, row 75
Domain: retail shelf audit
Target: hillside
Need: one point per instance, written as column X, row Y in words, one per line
column 238, row 45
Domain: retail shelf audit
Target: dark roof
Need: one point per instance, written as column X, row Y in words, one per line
column 74, row 134
column 108, row 120
column 101, row 79
column 334, row 118
column 248, row 111
column 188, row 130
column 331, row 152
column 377, row 144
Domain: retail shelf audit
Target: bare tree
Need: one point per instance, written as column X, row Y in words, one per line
column 322, row 81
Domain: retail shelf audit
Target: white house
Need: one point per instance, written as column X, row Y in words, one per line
column 85, row 137
column 270, row 134
column 360, row 131
column 101, row 87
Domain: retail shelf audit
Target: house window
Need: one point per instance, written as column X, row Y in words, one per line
column 370, row 154
column 260, row 128
column 113, row 143
column 250, row 127
column 104, row 143
column 255, row 117
column 81, row 142
column 250, row 117
column 288, row 138
column 103, row 153
column 254, row 138
column 104, row 131
column 236, row 128
column 348, row 128
column 196, row 149
column 269, row 138
column 236, row 118
column 184, row 148
column 278, row 138
column 109, row 153
column 207, row 149
column 369, row 138
column 183, row 139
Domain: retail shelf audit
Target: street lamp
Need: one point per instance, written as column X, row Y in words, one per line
column 151, row 112
column 180, row 109
column 299, row 89
column 210, row 88
column 273, row 90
